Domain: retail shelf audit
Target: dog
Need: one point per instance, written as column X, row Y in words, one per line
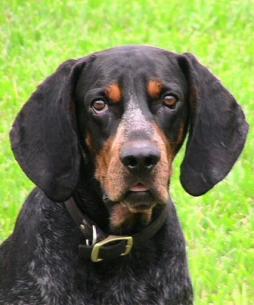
column 98, row 138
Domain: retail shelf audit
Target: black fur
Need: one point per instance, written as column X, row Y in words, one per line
column 39, row 263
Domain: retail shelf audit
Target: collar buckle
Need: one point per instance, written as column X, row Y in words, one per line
column 112, row 246
column 111, row 239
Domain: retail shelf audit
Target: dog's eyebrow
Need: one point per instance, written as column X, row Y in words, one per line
column 155, row 88
column 114, row 92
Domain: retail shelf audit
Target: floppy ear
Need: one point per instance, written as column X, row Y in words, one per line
column 43, row 136
column 217, row 131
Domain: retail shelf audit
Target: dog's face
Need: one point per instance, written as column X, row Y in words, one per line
column 129, row 108
column 132, row 113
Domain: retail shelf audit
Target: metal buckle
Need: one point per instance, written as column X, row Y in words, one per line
column 111, row 238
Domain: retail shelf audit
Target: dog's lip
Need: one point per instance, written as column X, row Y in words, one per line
column 139, row 187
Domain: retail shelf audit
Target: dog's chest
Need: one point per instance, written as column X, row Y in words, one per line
column 64, row 278
column 119, row 287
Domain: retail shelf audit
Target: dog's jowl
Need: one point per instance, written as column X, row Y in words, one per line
column 98, row 138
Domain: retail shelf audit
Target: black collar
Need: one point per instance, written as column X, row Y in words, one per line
column 99, row 246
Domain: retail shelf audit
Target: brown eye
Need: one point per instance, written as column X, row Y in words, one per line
column 99, row 106
column 170, row 101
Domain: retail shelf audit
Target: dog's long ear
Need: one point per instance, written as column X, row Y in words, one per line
column 217, row 131
column 43, row 136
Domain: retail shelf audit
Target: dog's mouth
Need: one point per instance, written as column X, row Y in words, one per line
column 139, row 198
column 139, row 188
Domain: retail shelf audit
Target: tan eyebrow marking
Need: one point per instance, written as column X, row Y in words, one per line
column 155, row 88
column 114, row 93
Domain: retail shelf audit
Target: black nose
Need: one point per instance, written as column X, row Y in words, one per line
column 140, row 157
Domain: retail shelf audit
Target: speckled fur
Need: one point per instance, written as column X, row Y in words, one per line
column 48, row 271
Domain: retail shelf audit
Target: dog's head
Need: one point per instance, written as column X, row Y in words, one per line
column 128, row 110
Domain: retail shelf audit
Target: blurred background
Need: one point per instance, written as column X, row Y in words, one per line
column 37, row 36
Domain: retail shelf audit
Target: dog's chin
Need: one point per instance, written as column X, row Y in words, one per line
column 138, row 202
column 133, row 212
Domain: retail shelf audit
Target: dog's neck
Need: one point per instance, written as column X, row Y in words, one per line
column 89, row 198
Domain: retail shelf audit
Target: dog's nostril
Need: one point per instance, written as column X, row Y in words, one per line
column 130, row 162
column 151, row 161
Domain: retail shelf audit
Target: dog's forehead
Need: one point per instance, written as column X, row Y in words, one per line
column 135, row 62
column 131, row 56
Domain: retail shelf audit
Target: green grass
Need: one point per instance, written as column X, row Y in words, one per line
column 36, row 36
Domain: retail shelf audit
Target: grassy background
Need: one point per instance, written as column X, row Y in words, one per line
column 36, row 36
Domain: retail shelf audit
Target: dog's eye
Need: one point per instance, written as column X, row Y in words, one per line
column 99, row 106
column 170, row 101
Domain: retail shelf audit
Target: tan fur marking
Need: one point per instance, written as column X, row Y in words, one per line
column 103, row 160
column 120, row 215
column 166, row 143
column 181, row 135
column 123, row 216
column 155, row 88
column 114, row 93
column 146, row 214
column 89, row 141
column 163, row 170
column 109, row 170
